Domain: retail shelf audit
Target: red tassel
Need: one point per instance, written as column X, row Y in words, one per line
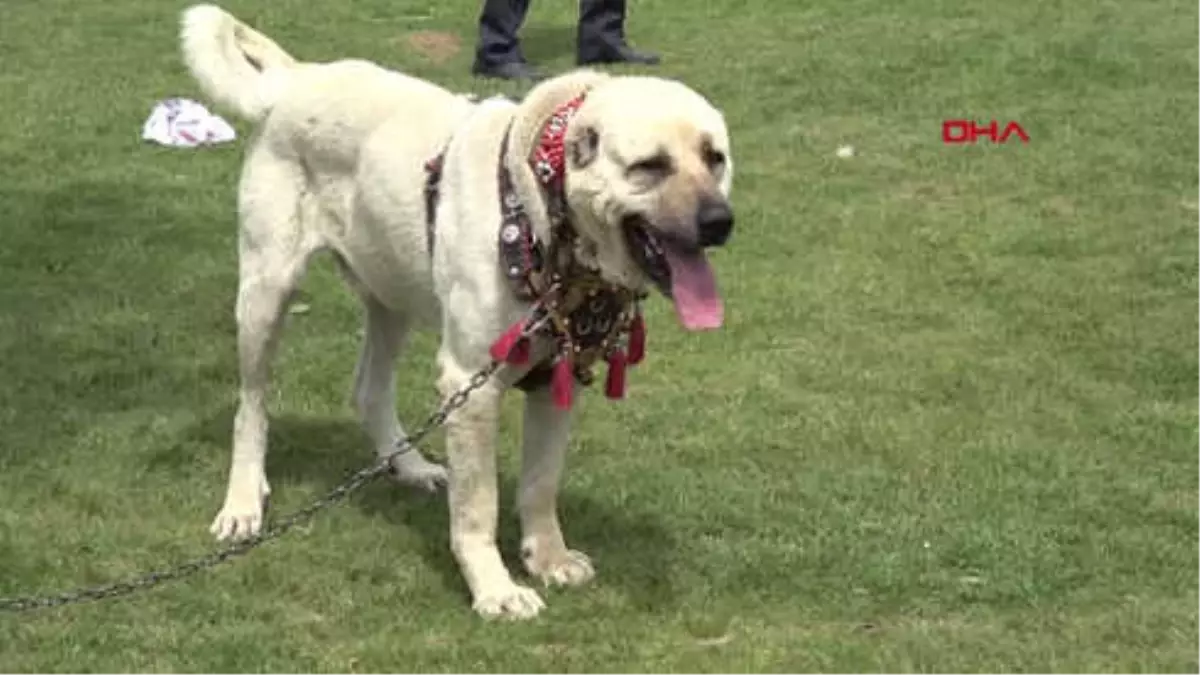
column 563, row 382
column 520, row 354
column 511, row 346
column 614, row 384
column 637, row 340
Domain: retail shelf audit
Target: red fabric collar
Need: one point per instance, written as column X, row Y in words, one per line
column 549, row 155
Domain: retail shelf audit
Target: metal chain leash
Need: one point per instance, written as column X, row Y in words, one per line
column 186, row 569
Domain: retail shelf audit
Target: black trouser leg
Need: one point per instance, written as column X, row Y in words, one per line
column 498, row 26
column 601, row 28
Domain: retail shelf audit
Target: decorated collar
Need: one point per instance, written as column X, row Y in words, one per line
column 586, row 317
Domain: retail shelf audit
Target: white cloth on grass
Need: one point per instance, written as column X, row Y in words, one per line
column 182, row 123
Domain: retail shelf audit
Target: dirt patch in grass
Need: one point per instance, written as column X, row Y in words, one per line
column 437, row 46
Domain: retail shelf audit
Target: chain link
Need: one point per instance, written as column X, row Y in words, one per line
column 189, row 568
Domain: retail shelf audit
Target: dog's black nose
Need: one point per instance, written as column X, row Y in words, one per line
column 714, row 222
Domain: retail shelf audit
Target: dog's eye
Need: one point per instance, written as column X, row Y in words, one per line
column 657, row 165
column 715, row 159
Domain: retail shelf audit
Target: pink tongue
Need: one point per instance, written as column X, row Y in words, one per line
column 694, row 290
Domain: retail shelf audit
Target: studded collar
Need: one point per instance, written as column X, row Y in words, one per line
column 587, row 317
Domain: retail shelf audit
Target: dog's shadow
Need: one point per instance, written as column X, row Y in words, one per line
column 633, row 550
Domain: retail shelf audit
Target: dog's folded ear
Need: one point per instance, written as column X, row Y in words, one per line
column 583, row 144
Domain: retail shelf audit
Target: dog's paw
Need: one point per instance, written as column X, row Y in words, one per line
column 563, row 567
column 514, row 602
column 412, row 469
column 242, row 515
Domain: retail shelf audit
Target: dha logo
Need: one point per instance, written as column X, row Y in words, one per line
column 957, row 132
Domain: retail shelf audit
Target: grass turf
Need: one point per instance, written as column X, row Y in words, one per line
column 950, row 425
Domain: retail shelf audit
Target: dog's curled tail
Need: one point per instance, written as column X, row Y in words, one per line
column 237, row 67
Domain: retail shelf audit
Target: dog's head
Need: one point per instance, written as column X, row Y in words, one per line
column 648, row 176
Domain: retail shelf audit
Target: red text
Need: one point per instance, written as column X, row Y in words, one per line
column 968, row 131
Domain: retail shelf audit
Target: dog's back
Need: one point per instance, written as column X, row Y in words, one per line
column 322, row 112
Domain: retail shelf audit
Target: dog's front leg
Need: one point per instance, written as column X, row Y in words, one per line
column 471, row 452
column 543, row 550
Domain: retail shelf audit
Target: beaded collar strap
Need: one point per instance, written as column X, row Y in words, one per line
column 586, row 317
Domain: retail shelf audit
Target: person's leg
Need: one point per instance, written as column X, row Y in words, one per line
column 601, row 36
column 498, row 53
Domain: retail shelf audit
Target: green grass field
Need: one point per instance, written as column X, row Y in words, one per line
column 951, row 424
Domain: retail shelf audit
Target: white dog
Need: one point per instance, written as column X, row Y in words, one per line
column 530, row 241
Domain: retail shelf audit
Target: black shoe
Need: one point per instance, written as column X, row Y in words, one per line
column 619, row 54
column 509, row 70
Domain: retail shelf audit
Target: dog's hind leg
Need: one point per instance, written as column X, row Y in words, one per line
column 375, row 394
column 274, row 248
